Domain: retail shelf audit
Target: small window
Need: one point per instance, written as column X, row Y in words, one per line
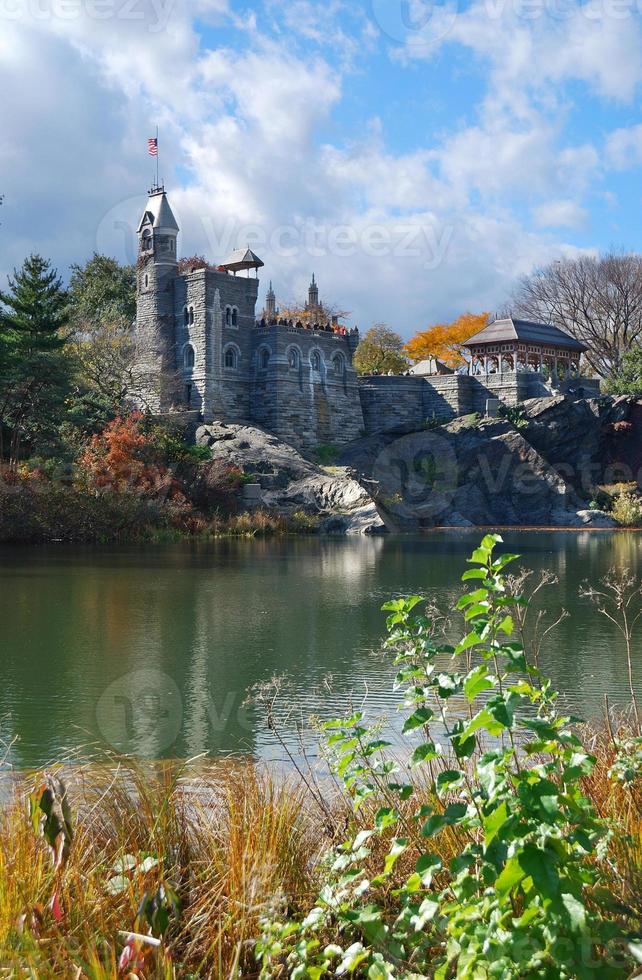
column 315, row 361
column 188, row 394
column 146, row 281
column 293, row 359
column 264, row 359
column 235, row 317
column 228, row 316
column 186, row 316
column 147, row 241
column 191, row 315
column 188, row 356
column 230, row 358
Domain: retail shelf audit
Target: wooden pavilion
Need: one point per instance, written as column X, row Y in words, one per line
column 511, row 345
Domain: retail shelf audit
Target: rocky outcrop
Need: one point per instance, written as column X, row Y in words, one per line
column 482, row 472
column 291, row 483
column 468, row 472
column 585, row 439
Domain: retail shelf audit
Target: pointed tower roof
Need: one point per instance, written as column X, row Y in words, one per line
column 158, row 212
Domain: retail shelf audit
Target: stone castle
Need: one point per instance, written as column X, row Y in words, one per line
column 201, row 350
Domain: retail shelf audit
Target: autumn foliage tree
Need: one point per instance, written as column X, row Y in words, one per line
column 380, row 351
column 121, row 458
column 445, row 341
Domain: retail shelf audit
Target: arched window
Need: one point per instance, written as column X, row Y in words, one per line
column 293, row 359
column 230, row 358
column 188, row 356
column 339, row 365
column 264, row 358
column 228, row 316
column 235, row 317
column 191, row 315
column 147, row 240
column 185, row 316
column 315, row 360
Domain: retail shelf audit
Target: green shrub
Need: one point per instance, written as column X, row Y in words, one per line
column 435, row 421
column 514, row 414
column 477, row 857
column 626, row 509
column 326, row 453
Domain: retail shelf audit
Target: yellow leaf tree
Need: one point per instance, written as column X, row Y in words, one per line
column 445, row 341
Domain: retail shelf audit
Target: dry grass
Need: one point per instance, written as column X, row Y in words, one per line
column 228, row 840
column 233, row 842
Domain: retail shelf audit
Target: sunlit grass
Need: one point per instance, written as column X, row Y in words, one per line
column 228, row 839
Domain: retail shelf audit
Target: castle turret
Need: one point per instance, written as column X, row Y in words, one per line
column 157, row 269
column 313, row 294
column 270, row 304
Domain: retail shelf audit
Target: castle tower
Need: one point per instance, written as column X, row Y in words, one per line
column 157, row 269
column 313, row 295
column 270, row 304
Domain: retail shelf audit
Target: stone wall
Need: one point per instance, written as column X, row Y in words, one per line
column 301, row 404
column 404, row 403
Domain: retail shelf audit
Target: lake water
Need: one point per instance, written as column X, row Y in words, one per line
column 152, row 649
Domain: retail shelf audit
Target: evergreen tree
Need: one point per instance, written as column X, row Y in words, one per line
column 35, row 372
column 628, row 379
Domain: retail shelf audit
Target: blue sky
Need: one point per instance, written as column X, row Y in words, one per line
column 418, row 157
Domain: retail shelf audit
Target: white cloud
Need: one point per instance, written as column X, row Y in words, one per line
column 624, row 147
column 405, row 237
column 560, row 214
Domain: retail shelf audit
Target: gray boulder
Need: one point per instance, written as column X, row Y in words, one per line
column 291, row 483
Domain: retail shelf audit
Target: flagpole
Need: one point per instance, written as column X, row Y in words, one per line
column 157, row 178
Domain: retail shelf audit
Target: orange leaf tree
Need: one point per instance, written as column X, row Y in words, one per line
column 445, row 341
column 122, row 457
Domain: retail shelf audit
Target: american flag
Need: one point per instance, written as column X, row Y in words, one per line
column 152, row 146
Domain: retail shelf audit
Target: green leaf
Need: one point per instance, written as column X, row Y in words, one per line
column 427, row 865
column 397, row 849
column 494, row 822
column 576, row 912
column 470, row 640
column 423, row 753
column 448, row 778
column 474, row 573
column 507, row 625
column 511, row 876
column 483, row 719
column 386, row 817
column 420, row 717
column 427, row 911
column 477, row 681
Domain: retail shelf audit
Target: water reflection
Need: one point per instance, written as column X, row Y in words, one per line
column 86, row 631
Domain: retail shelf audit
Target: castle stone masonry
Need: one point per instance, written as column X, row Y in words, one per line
column 202, row 351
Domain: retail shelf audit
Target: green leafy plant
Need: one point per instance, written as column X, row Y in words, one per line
column 476, row 857
column 627, row 509
column 514, row 414
column 434, row 421
column 326, row 454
